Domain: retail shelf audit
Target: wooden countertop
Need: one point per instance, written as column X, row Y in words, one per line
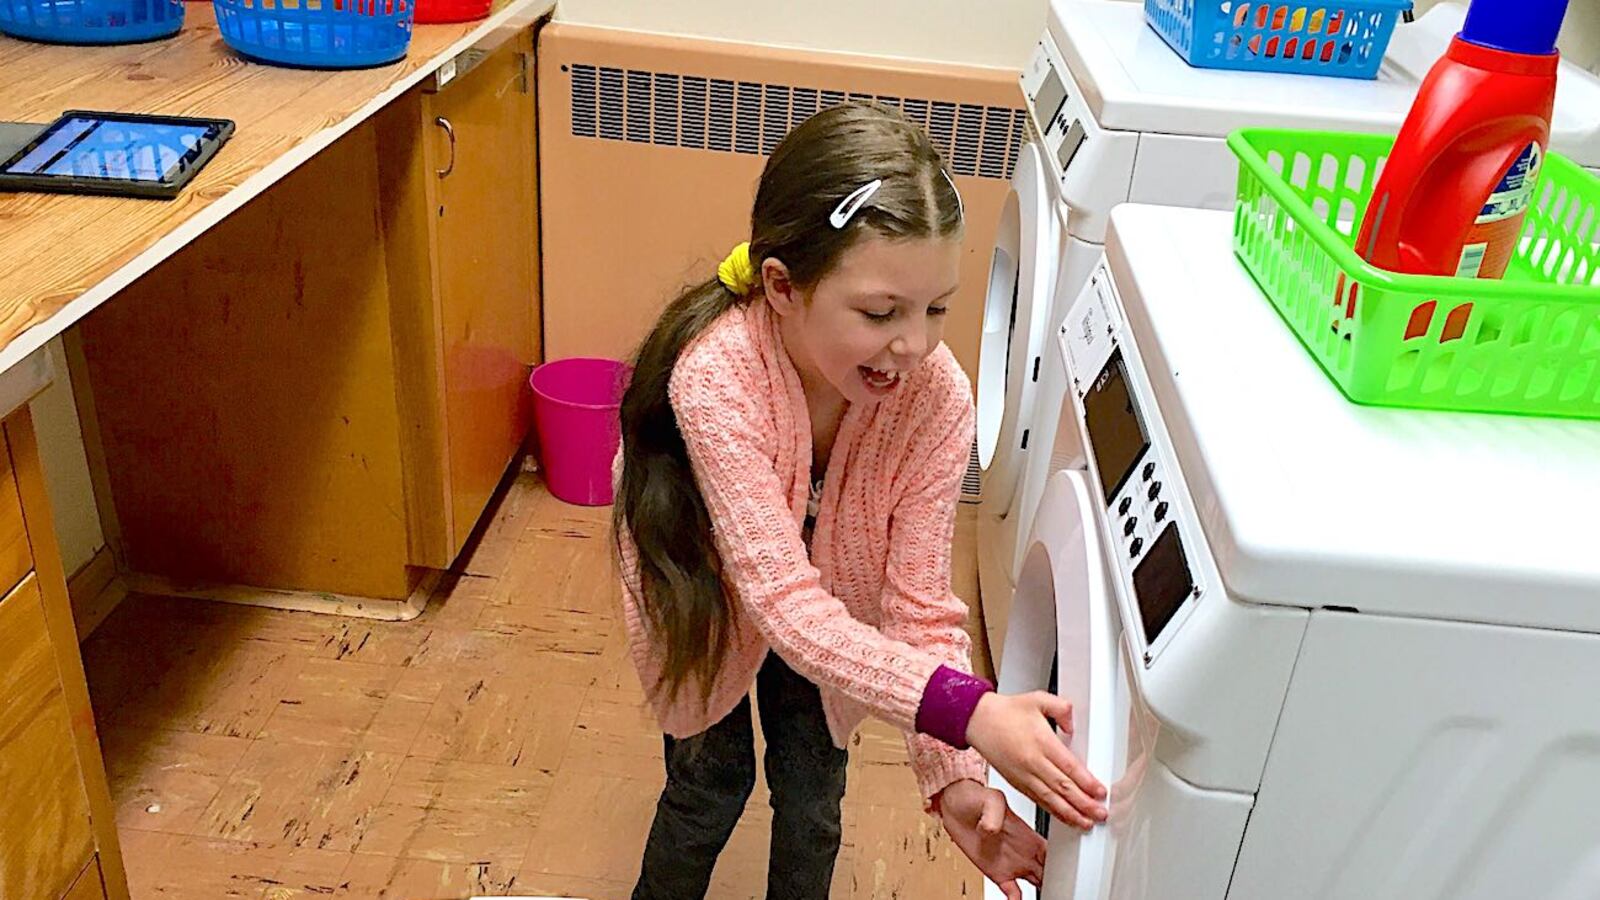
column 61, row 256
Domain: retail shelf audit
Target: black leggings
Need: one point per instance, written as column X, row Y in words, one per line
column 710, row 777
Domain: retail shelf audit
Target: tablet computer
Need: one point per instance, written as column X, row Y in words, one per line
column 123, row 154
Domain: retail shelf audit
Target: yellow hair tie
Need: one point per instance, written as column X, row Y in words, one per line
column 737, row 273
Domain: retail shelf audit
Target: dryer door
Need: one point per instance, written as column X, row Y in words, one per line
column 1015, row 325
column 1065, row 636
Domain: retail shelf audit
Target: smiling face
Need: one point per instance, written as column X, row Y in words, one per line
column 869, row 320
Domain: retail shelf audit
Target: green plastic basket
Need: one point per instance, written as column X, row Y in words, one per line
column 1529, row 343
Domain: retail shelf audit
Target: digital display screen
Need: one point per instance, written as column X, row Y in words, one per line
column 1161, row 582
column 113, row 149
column 1071, row 144
column 1115, row 431
column 1051, row 95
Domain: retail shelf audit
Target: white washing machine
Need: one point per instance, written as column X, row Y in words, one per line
column 1124, row 119
column 1316, row 650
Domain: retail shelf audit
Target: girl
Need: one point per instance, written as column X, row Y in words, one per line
column 793, row 441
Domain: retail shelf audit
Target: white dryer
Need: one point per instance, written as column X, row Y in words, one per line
column 1016, row 328
column 1315, row 649
column 1119, row 117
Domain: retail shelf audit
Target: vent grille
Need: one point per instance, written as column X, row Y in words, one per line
column 775, row 117
column 721, row 116
column 670, row 109
column 748, row 119
column 666, row 130
column 805, row 105
column 942, row 126
column 972, row 482
column 639, row 107
column 996, row 143
column 611, row 104
column 969, row 129
column 917, row 112
column 694, row 112
column 583, row 101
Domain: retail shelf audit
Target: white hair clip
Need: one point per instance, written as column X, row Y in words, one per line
column 841, row 215
column 961, row 208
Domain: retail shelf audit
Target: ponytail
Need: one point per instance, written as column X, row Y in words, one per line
column 660, row 507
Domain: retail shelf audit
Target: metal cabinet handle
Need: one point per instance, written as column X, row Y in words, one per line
column 450, row 132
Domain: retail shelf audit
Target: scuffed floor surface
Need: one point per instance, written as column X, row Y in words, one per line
column 495, row 745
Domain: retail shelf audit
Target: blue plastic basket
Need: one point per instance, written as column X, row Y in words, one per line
column 318, row 34
column 1346, row 40
column 91, row 21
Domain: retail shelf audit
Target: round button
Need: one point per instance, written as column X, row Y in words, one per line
column 1136, row 546
column 1155, row 490
column 1128, row 526
column 1149, row 471
column 1122, row 508
column 1161, row 511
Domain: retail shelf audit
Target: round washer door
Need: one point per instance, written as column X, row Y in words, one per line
column 1015, row 323
column 1065, row 636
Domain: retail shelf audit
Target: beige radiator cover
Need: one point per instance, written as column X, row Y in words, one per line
column 630, row 215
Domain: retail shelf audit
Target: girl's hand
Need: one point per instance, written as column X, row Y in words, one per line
column 1013, row 733
column 999, row 843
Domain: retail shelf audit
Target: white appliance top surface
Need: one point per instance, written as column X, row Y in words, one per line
column 1310, row 500
column 1133, row 81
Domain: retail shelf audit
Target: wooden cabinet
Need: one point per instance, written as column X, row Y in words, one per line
column 485, row 247
column 460, row 217
column 57, row 827
column 311, row 405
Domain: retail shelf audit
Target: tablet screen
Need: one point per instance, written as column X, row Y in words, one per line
column 121, row 150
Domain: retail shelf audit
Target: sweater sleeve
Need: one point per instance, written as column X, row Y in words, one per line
column 764, row 556
column 919, row 606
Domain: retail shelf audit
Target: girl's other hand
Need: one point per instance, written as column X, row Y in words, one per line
column 1003, row 847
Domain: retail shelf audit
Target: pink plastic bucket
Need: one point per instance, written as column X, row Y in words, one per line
column 575, row 403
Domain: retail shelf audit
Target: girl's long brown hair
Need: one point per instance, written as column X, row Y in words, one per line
column 658, row 504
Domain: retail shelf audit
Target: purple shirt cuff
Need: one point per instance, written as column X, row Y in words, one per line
column 947, row 704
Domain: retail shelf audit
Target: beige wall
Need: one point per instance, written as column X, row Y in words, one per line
column 974, row 32
column 977, row 32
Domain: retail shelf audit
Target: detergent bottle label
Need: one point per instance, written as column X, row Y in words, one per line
column 1493, row 237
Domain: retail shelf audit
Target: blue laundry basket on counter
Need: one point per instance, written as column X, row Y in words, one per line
column 91, row 21
column 318, row 34
column 1343, row 39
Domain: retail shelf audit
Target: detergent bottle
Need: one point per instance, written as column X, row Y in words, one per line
column 1452, row 197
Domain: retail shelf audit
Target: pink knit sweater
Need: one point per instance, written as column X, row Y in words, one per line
column 869, row 614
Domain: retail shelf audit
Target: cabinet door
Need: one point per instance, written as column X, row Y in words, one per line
column 487, row 246
column 45, row 839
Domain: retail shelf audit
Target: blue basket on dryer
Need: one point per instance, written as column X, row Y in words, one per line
column 1342, row 39
column 317, row 34
column 91, row 21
